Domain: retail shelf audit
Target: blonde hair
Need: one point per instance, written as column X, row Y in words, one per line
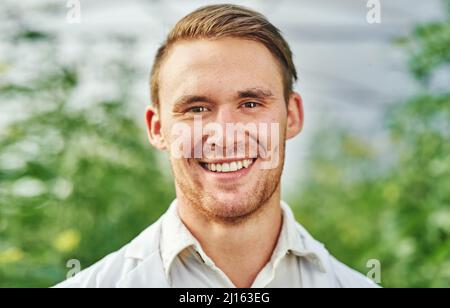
column 227, row 20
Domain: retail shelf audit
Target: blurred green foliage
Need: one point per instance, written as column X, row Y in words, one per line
column 398, row 212
column 85, row 184
column 78, row 183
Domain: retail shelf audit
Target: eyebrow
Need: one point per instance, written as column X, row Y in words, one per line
column 256, row 93
column 190, row 99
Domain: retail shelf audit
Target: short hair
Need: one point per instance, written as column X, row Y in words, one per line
column 227, row 20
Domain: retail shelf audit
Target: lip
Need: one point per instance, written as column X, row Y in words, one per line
column 227, row 176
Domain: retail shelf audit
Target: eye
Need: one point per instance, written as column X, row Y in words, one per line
column 197, row 109
column 250, row 105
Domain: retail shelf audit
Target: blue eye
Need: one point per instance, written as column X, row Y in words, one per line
column 250, row 105
column 198, row 109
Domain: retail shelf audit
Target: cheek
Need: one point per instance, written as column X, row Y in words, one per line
column 179, row 140
column 275, row 113
column 275, row 118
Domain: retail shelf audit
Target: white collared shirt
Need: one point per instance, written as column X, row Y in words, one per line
column 168, row 255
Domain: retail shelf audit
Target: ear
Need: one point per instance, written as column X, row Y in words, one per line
column 295, row 116
column 154, row 131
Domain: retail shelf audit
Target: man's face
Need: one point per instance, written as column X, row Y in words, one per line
column 225, row 81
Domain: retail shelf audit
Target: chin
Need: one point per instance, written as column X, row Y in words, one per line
column 230, row 205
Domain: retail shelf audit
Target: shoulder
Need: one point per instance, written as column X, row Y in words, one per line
column 114, row 269
column 349, row 278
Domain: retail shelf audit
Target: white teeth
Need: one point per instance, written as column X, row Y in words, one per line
column 225, row 167
column 230, row 167
column 233, row 166
column 239, row 165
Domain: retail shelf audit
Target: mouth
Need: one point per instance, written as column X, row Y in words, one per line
column 228, row 169
column 227, row 166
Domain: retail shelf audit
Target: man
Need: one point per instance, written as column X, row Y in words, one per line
column 223, row 66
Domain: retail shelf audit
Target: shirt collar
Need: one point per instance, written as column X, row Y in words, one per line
column 176, row 239
column 296, row 240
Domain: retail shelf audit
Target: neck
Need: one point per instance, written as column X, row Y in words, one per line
column 239, row 250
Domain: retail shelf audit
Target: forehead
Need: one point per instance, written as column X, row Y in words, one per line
column 218, row 68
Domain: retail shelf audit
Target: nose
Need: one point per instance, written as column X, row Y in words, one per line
column 226, row 117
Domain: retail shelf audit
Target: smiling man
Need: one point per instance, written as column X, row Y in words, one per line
column 223, row 107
